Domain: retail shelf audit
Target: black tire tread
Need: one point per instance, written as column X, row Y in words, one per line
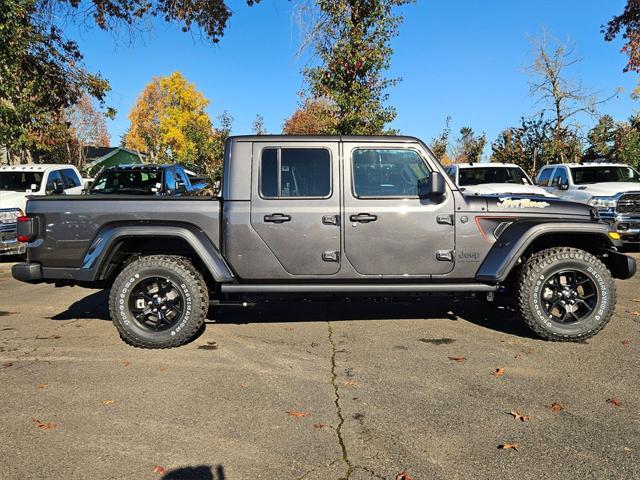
column 528, row 275
column 191, row 275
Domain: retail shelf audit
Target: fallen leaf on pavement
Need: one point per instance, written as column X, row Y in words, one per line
column 637, row 300
column 108, row 402
column 126, row 363
column 7, row 364
column 43, row 425
column 163, row 369
column 298, row 414
column 520, row 416
column 498, row 372
column 160, row 470
column 457, row 358
column 350, row 383
column 42, row 386
column 509, row 446
column 243, row 385
column 51, row 337
column 614, row 401
column 322, row 425
column 403, row 475
column 556, row 407
column 626, row 342
column 634, row 313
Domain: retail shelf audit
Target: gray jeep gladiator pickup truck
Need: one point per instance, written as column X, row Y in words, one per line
column 325, row 216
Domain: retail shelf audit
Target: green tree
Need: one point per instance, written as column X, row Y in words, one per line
column 316, row 116
column 527, row 145
column 627, row 142
column 602, row 139
column 469, row 146
column 258, row 126
column 627, row 23
column 41, row 74
column 352, row 43
column 440, row 144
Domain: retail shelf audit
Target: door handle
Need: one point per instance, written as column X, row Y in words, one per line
column 363, row 218
column 277, row 218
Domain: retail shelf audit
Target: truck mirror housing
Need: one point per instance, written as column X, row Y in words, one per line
column 434, row 186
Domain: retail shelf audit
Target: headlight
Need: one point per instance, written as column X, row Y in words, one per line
column 603, row 203
column 10, row 215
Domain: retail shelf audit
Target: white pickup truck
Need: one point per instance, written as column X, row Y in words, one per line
column 17, row 182
column 493, row 179
column 612, row 188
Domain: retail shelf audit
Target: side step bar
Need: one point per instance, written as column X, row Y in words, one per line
column 358, row 288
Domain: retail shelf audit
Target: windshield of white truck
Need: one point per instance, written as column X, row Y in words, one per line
column 131, row 182
column 585, row 175
column 20, row 181
column 481, row 175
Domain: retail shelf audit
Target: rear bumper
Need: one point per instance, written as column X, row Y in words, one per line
column 27, row 272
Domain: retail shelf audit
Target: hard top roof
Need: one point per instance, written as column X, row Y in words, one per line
column 325, row 138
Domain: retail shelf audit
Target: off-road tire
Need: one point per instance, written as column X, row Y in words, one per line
column 180, row 271
column 543, row 265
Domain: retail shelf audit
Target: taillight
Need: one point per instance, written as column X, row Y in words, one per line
column 25, row 229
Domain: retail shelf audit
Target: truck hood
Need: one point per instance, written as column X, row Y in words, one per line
column 10, row 199
column 506, row 189
column 534, row 204
column 609, row 189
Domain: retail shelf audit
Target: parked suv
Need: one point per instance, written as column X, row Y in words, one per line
column 613, row 189
column 18, row 182
column 325, row 216
column 493, row 178
column 145, row 179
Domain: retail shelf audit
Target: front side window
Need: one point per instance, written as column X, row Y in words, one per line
column 387, row 172
column 586, row 175
column 54, row 182
column 483, row 175
column 295, row 173
column 71, row 178
column 545, row 176
column 560, row 178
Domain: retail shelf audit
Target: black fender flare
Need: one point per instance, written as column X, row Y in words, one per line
column 512, row 244
column 101, row 249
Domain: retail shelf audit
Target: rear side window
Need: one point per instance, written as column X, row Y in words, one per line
column 543, row 178
column 387, row 172
column 295, row 173
column 70, row 178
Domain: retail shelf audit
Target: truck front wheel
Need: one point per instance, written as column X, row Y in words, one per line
column 566, row 294
column 159, row 301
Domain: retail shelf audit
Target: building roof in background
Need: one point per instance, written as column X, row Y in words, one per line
column 97, row 155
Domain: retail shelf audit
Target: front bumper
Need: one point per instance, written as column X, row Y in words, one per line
column 9, row 244
column 627, row 225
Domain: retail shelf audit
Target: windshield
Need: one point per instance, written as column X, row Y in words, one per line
column 20, row 181
column 480, row 175
column 135, row 182
column 584, row 175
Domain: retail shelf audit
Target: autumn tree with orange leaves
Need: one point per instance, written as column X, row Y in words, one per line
column 169, row 122
column 316, row 116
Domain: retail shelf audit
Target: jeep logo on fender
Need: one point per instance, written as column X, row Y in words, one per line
column 520, row 203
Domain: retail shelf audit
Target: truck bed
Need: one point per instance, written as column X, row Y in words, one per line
column 69, row 226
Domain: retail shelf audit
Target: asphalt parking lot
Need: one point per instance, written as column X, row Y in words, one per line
column 354, row 390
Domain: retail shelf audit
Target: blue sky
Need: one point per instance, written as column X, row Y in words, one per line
column 466, row 59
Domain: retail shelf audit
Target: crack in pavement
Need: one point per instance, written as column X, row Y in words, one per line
column 336, row 401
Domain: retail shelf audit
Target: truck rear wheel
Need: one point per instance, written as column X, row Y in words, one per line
column 159, row 301
column 566, row 294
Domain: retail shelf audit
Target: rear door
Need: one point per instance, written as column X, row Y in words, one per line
column 295, row 205
column 388, row 229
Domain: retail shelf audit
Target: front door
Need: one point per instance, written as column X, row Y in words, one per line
column 388, row 229
column 295, row 206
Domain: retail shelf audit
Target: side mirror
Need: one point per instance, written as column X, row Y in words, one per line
column 434, row 186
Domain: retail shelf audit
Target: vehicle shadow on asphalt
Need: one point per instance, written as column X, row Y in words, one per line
column 201, row 472
column 94, row 306
column 487, row 315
